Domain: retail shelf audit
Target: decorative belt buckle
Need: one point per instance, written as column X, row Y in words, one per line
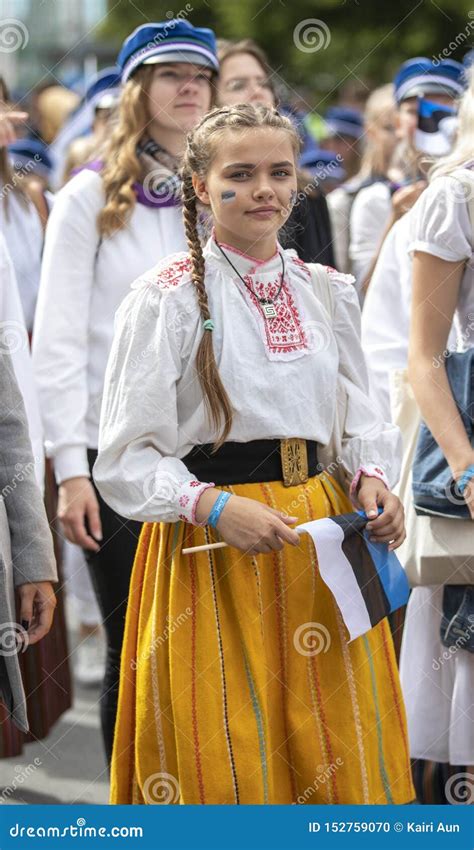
column 294, row 461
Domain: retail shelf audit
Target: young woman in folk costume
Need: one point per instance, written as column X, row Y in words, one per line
column 109, row 225
column 219, row 702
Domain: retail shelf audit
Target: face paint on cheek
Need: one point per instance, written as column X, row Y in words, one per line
column 292, row 197
column 227, row 196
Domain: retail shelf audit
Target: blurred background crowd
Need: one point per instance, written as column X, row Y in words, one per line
column 374, row 92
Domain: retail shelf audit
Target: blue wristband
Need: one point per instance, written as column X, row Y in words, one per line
column 217, row 509
column 465, row 478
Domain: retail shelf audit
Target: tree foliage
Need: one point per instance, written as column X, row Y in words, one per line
column 321, row 47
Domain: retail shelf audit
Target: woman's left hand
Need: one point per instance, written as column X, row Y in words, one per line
column 37, row 604
column 389, row 527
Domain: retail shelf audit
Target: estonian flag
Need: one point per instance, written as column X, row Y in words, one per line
column 367, row 581
column 436, row 128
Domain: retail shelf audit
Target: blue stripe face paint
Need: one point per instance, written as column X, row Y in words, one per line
column 227, row 196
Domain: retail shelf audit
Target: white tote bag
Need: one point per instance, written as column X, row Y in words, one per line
column 436, row 550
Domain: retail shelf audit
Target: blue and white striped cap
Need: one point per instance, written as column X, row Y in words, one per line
column 343, row 121
column 103, row 90
column 169, row 41
column 30, row 156
column 421, row 76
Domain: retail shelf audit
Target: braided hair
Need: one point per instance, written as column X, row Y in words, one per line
column 200, row 148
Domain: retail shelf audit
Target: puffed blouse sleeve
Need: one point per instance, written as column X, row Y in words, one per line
column 441, row 224
column 370, row 446
column 137, row 471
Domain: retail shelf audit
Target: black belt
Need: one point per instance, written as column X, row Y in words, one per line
column 292, row 461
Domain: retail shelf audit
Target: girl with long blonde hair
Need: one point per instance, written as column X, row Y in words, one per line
column 109, row 223
column 439, row 692
column 213, row 437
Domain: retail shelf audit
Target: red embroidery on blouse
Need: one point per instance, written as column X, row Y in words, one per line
column 194, row 483
column 183, row 501
column 171, row 274
column 184, row 518
column 302, row 265
column 284, row 333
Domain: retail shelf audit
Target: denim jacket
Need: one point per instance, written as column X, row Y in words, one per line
column 434, row 490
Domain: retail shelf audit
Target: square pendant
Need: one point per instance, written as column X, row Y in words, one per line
column 269, row 310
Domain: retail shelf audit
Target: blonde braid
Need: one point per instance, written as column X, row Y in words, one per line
column 215, row 396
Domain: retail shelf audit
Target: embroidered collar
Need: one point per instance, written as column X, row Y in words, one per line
column 246, row 264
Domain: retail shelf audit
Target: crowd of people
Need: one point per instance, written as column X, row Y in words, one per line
column 201, row 284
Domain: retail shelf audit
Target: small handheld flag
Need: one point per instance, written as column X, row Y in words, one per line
column 367, row 581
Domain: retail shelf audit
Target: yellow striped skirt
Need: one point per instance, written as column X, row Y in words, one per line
column 238, row 684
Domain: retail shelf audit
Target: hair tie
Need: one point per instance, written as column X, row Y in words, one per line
column 208, row 325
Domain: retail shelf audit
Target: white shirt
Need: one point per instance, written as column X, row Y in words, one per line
column 280, row 375
column 23, row 232
column 83, row 282
column 14, row 337
column 386, row 313
column 442, row 226
column 369, row 216
column 437, row 224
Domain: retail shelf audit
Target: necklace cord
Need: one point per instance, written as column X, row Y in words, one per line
column 260, row 300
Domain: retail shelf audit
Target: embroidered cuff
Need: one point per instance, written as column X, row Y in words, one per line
column 372, row 471
column 189, row 494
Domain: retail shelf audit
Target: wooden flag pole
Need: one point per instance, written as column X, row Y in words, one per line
column 191, row 549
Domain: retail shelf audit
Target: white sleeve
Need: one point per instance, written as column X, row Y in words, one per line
column 370, row 446
column 441, row 220
column 369, row 215
column 14, row 337
column 60, row 334
column 386, row 315
column 339, row 207
column 137, row 471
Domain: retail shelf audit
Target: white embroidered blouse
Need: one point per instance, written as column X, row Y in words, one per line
column 279, row 373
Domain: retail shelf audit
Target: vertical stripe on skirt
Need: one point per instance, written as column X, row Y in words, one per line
column 238, row 682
